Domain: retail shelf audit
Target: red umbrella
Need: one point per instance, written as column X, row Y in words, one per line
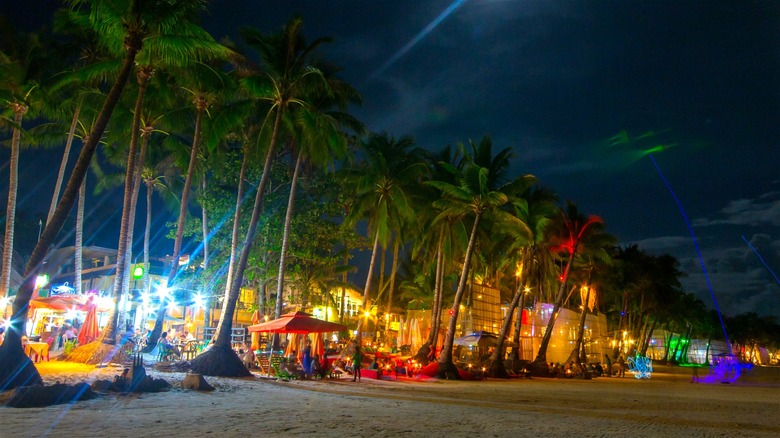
column 89, row 329
column 298, row 322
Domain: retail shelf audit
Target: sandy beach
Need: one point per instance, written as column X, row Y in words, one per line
column 665, row 405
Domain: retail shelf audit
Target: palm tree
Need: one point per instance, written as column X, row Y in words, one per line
column 478, row 192
column 287, row 77
column 19, row 71
column 203, row 81
column 573, row 228
column 321, row 139
column 384, row 184
column 129, row 23
column 532, row 213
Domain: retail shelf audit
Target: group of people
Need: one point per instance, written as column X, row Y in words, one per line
column 572, row 369
column 61, row 334
column 174, row 343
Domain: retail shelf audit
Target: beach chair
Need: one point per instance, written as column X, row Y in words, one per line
column 165, row 353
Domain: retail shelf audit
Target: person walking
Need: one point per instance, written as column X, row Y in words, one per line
column 357, row 359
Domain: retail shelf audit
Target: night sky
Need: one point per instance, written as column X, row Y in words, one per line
column 554, row 80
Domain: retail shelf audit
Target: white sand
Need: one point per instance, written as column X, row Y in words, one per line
column 665, row 405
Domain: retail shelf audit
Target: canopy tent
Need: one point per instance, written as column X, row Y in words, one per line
column 481, row 339
column 67, row 302
column 298, row 322
column 61, row 302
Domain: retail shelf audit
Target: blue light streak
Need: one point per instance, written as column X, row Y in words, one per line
column 762, row 260
column 417, row 38
column 698, row 251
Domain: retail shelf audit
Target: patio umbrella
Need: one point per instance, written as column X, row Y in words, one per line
column 255, row 336
column 298, row 322
column 292, row 345
column 415, row 338
column 317, row 345
column 89, row 329
column 400, row 338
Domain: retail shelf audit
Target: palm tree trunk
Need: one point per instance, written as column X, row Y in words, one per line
column 16, row 369
column 497, row 368
column 649, row 336
column 237, row 219
column 393, row 270
column 575, row 352
column 10, row 212
column 109, row 332
column 286, row 236
column 200, row 107
column 424, row 352
column 139, row 166
column 446, row 367
column 540, row 363
column 515, row 355
column 359, row 337
column 224, row 327
column 64, row 163
column 147, row 240
column 78, row 261
column 205, row 228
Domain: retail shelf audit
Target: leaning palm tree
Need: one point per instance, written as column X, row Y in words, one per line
column 532, row 213
column 121, row 24
column 573, row 229
column 287, row 77
column 477, row 193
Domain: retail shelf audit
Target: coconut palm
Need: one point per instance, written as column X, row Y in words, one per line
column 384, row 184
column 287, row 78
column 477, row 193
column 319, row 134
column 573, row 228
column 20, row 69
column 124, row 26
column 532, row 212
column 201, row 83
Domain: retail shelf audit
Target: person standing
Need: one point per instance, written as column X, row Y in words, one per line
column 357, row 359
column 609, row 365
column 621, row 367
column 306, row 360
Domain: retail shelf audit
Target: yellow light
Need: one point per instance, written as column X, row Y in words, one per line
column 527, row 289
column 367, row 314
column 41, row 280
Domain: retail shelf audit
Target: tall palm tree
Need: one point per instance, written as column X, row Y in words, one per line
column 478, row 192
column 320, row 138
column 384, row 184
column 532, row 211
column 574, row 227
column 286, row 79
column 123, row 25
column 201, row 83
column 19, row 85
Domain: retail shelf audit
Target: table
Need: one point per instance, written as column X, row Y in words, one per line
column 38, row 350
column 190, row 349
